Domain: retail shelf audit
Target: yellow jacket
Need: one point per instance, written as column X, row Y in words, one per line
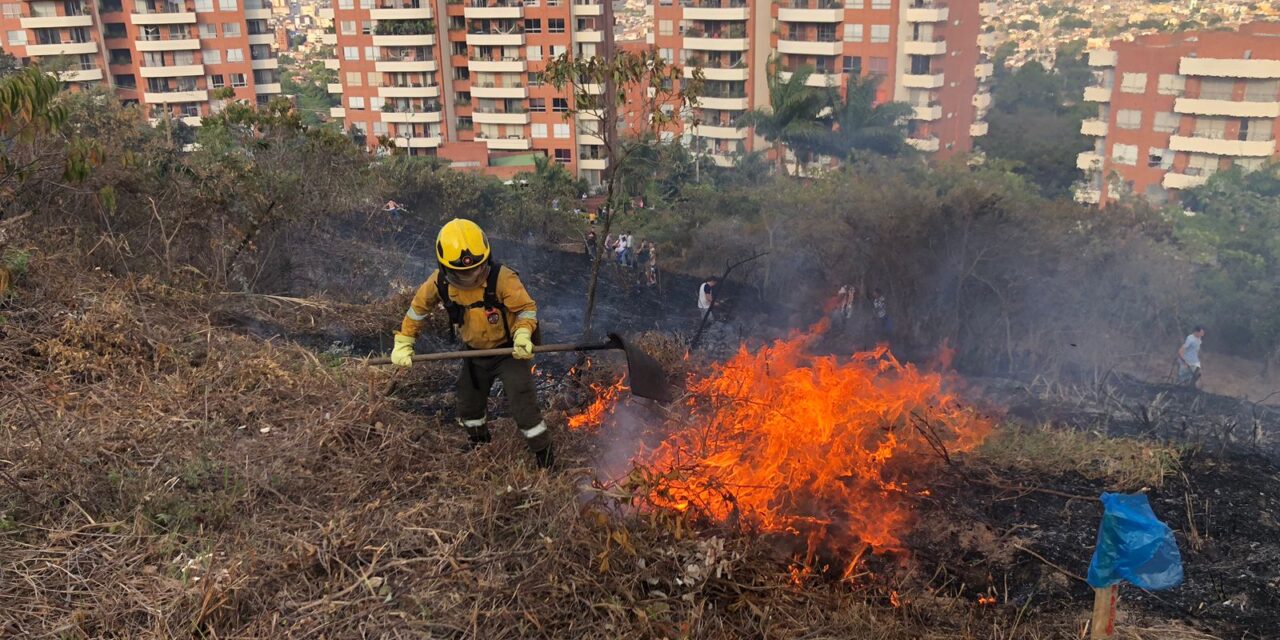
column 476, row 332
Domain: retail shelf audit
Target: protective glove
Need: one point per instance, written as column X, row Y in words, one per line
column 402, row 354
column 523, row 344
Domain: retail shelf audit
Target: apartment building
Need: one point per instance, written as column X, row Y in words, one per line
column 166, row 55
column 461, row 79
column 1175, row 108
column 926, row 52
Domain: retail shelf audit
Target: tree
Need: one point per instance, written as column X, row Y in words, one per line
column 644, row 88
column 862, row 125
column 791, row 119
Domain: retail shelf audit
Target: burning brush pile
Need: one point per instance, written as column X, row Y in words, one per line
column 825, row 454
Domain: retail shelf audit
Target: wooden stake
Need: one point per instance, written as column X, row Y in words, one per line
column 1104, row 612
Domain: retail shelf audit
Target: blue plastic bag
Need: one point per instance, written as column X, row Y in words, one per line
column 1134, row 546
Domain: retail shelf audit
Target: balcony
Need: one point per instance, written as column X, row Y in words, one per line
column 184, row 44
column 266, row 87
column 90, row 74
column 720, row 132
column 161, row 14
column 927, row 113
column 518, row 143
column 199, row 95
column 495, row 117
column 591, row 8
column 924, row 81
column 1097, row 94
column 334, row 87
column 507, row 65
column 401, row 11
column 1219, row 147
column 1229, row 68
column 325, row 13
column 175, row 71
column 987, row 40
column 593, row 164
column 512, row 93
column 404, row 66
column 928, row 145
column 1102, row 58
column 257, row 9
column 482, row 9
column 590, row 139
column 735, row 40
column 262, row 38
column 411, row 117
column 978, row 129
column 337, row 112
column 412, row 40
column 725, row 103
column 983, row 71
column 332, row 64
column 54, row 22
column 1089, row 162
column 1088, row 195
column 429, row 142
column 825, row 12
column 1229, row 108
column 810, row 48
column 925, row 47
column 495, row 39
column 258, row 64
column 432, row 91
column 927, row 14
column 1173, row 180
column 329, row 38
column 64, row 49
column 594, row 35
column 986, row 9
column 819, row 80
column 1094, row 127
column 982, row 100
column 733, row 74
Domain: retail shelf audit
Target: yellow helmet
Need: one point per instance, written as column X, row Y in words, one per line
column 461, row 245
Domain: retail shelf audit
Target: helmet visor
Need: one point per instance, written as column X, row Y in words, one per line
column 467, row 279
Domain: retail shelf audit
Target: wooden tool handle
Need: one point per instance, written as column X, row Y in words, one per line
column 504, row 351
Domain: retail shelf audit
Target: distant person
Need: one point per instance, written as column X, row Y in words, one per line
column 1189, row 358
column 592, row 216
column 591, row 245
column 846, row 299
column 707, row 298
column 620, row 250
column 880, row 309
column 651, row 264
column 392, row 205
column 610, row 244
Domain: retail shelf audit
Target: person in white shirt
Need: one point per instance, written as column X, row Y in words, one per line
column 1189, row 358
column 707, row 298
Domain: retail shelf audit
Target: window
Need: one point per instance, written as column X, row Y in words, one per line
column 348, row 27
column 558, row 50
column 355, row 103
column 346, row 4
column 1260, row 90
column 555, row 25
column 17, row 38
column 204, row 6
column 231, row 30
column 537, row 105
column 1249, row 164
column 114, row 30
column 11, row 10
column 371, row 53
column 564, row 156
column 852, row 65
column 1200, row 164
column 667, row 54
column 126, row 82
column 235, row 55
column 539, row 130
column 366, row 27
column 1129, row 119
column 1124, row 154
column 1217, row 88
column 366, row 4
column 177, row 32
column 460, row 48
column 878, row 66
column 184, row 58
column 880, row 4
column 1134, row 83
column 351, row 53
column 354, row 78
column 559, row 105
column 211, row 56
column 879, row 33
column 561, row 130
column 237, row 80
column 666, row 27
column 535, row 79
column 208, row 31
column 375, row 103
column 1256, row 130
column 534, row 52
column 855, row 4
column 1159, row 158
column 216, row 81
column 380, row 129
column 374, row 79
column 1215, row 128
column 227, row 5
column 457, row 23
column 152, row 59
column 533, row 26
column 853, row 33
column 1166, row 122
column 1171, row 84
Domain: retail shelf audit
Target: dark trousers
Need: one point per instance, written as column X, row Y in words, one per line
column 476, row 379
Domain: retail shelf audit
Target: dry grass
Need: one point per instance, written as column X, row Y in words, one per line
column 167, row 478
column 1124, row 463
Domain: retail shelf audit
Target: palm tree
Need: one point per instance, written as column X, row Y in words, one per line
column 791, row 118
column 859, row 124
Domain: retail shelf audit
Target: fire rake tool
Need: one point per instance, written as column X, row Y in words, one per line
column 644, row 373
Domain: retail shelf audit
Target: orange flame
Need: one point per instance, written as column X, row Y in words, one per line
column 826, row 450
column 594, row 414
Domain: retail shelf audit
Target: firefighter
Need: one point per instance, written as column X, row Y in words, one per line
column 488, row 308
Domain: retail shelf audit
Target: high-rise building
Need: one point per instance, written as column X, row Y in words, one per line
column 461, row 80
column 1174, row 108
column 165, row 55
column 925, row 52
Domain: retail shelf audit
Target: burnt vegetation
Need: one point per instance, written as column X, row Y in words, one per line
column 186, row 450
